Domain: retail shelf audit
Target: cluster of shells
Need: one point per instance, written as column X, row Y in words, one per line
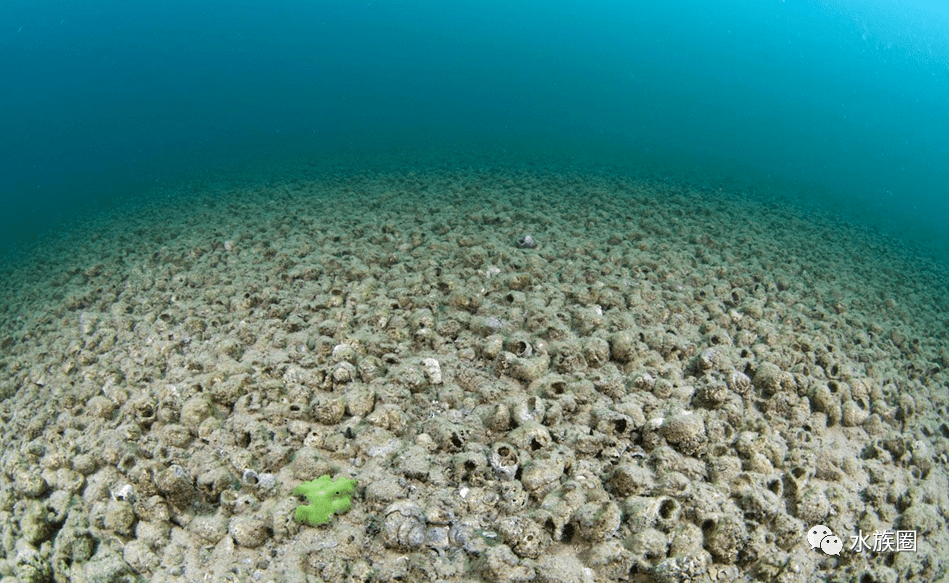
column 646, row 407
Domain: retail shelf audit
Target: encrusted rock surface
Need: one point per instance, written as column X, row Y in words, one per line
column 677, row 383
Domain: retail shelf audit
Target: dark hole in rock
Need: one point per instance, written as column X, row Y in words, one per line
column 127, row 463
column 550, row 527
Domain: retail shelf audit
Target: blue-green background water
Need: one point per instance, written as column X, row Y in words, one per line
column 845, row 103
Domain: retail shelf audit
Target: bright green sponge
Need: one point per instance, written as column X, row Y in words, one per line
column 325, row 497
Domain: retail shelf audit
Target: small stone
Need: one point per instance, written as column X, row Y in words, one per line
column 686, row 432
column 502, row 565
column 176, row 484
column 853, row 415
column 526, row 242
column 328, row 409
column 415, row 463
column 211, row 528
column 141, row 558
column 542, row 472
column 35, row 525
column 194, row 411
column 631, row 479
column 248, row 531
column 119, row 517
column 433, row 370
column 598, row 521
column 563, row 568
column 30, row 484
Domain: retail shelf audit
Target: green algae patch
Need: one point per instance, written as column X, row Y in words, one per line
column 325, row 497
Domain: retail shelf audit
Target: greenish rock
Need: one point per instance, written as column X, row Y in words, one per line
column 325, row 497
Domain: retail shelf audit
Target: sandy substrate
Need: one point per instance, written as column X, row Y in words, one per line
column 674, row 383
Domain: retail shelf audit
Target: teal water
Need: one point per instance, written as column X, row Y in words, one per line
column 842, row 104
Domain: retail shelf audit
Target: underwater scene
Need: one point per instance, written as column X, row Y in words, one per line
column 501, row 292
